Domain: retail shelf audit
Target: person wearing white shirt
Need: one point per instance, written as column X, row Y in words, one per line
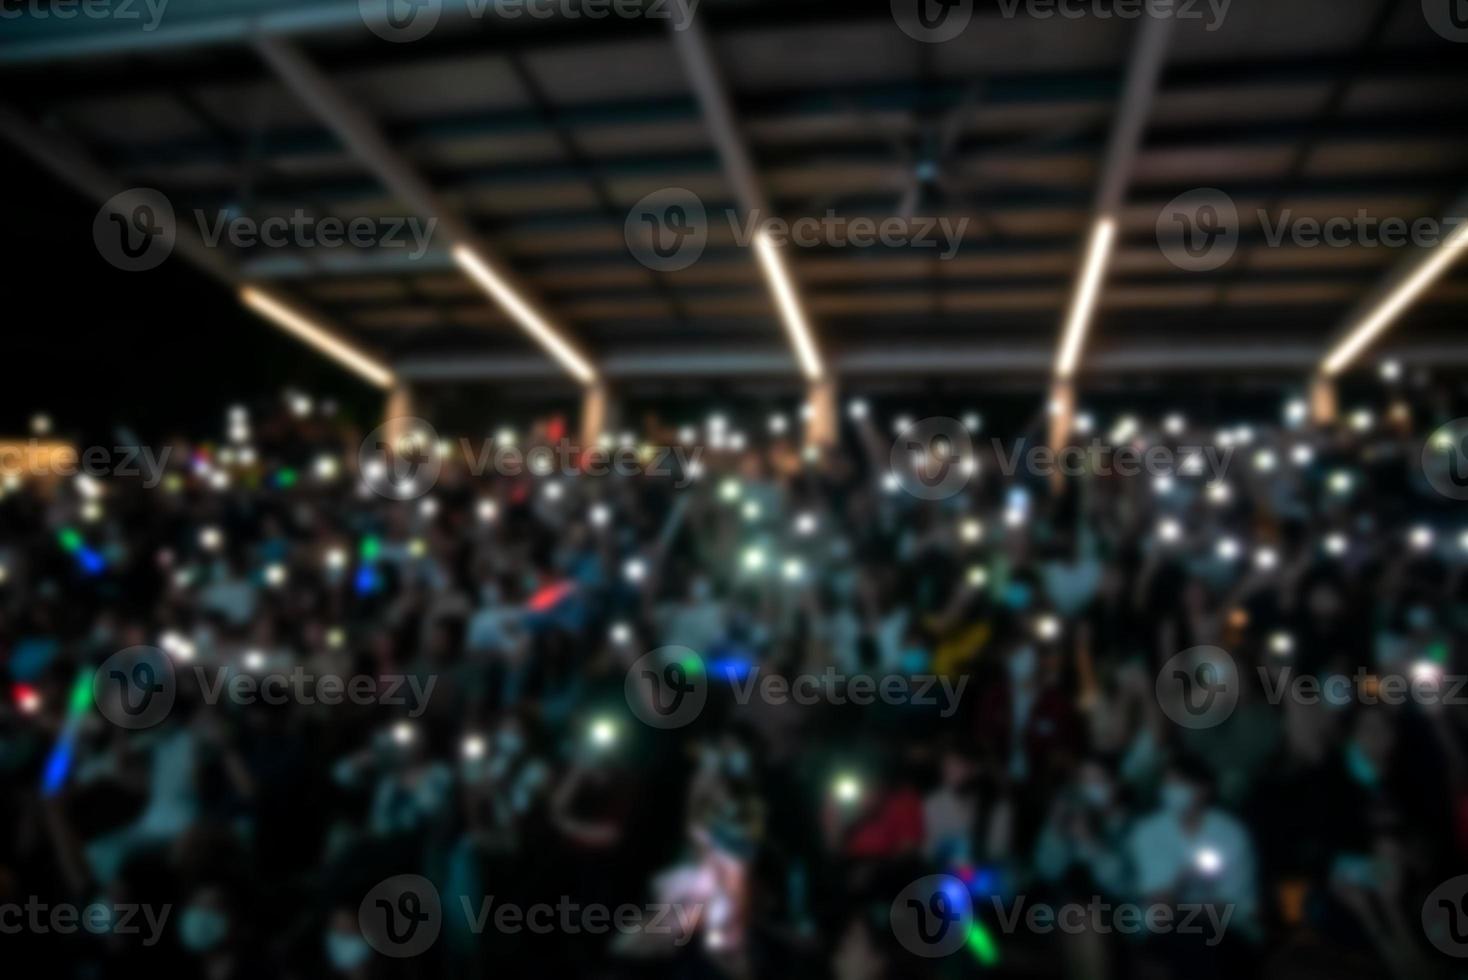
column 698, row 622
column 1190, row 852
column 950, row 812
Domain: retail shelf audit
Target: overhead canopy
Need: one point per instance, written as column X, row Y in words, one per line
column 537, row 135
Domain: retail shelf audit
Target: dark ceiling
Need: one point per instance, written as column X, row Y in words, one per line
column 541, row 134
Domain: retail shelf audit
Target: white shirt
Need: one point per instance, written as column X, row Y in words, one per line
column 492, row 628
column 948, row 818
column 698, row 626
column 1166, row 858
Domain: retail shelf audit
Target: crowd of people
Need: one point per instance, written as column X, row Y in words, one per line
column 500, row 752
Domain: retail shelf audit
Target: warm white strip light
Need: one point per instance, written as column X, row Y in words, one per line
column 471, row 263
column 789, row 303
column 1399, row 300
column 1085, row 298
column 330, row 345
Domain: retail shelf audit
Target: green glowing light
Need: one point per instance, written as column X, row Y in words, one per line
column 371, row 547
column 982, row 944
column 69, row 539
column 81, row 694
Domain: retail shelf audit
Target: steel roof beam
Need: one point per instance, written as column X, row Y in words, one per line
column 1144, row 69
column 71, row 164
column 937, row 361
column 1411, row 278
column 362, row 136
column 702, row 71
